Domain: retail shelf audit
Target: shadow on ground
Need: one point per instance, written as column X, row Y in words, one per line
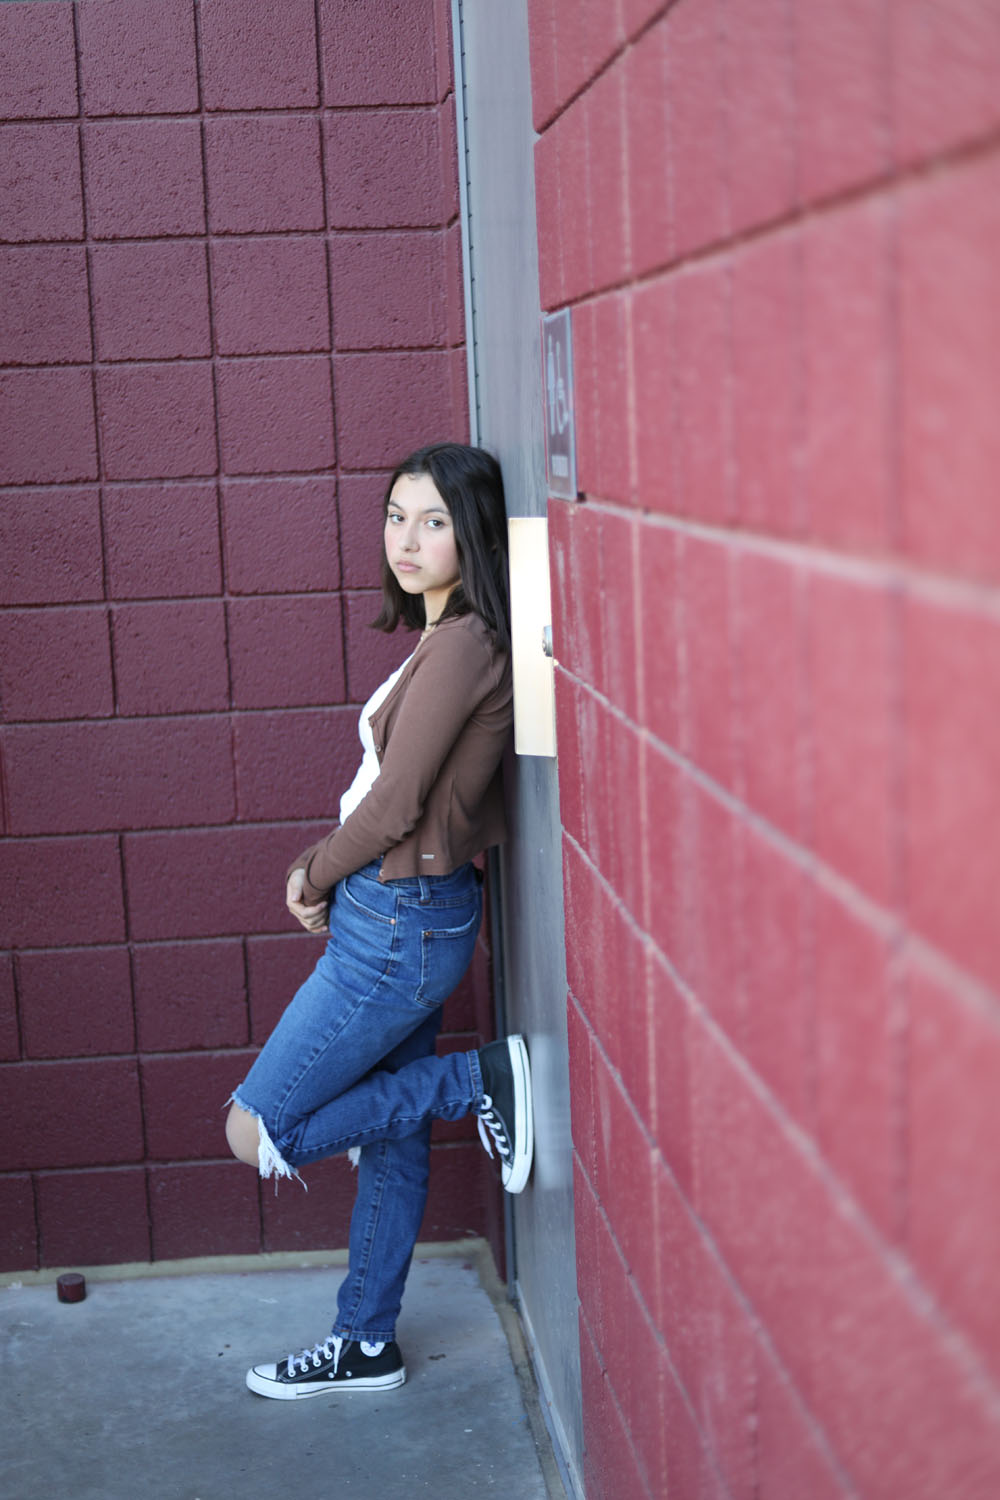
column 139, row 1392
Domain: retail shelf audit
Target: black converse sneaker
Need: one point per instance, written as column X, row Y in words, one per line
column 332, row 1366
column 506, row 1109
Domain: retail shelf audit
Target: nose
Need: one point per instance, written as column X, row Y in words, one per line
column 410, row 540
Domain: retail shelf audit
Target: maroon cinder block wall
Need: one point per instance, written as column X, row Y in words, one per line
column 232, row 301
column 778, row 696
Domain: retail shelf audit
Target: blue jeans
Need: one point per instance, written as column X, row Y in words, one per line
column 351, row 1064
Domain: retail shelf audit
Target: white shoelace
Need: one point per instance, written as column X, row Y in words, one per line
column 331, row 1348
column 490, row 1121
column 317, row 1355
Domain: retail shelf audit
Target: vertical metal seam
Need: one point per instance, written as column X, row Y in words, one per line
column 458, row 46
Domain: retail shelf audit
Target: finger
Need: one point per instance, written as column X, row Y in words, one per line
column 307, row 913
column 313, row 919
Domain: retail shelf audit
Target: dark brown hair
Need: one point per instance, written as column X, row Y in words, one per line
column 471, row 485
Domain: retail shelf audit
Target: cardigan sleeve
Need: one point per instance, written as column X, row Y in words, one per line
column 452, row 674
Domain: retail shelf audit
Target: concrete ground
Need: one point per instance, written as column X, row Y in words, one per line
column 139, row 1392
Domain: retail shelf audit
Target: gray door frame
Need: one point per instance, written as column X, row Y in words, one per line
column 500, row 260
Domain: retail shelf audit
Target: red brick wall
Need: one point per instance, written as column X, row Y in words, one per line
column 230, row 260
column 778, row 638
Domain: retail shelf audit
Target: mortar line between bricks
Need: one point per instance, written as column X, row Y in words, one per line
column 16, row 976
column 89, row 272
column 792, row 82
column 759, row 1328
column 897, row 1263
column 4, row 792
column 331, row 313
column 807, row 1145
column 806, row 769
column 734, row 606
column 603, row 67
column 889, row 184
column 139, row 1054
column 134, row 1051
column 247, row 1008
column 171, row 1163
column 659, row 1338
column 755, row 1411
column 225, row 237
column 159, row 1054
column 248, row 113
column 903, row 1271
column 891, row 180
column 222, row 237
column 213, row 360
column 897, row 679
column 136, row 1056
column 183, row 480
column 318, row 59
column 464, row 1143
column 952, row 590
column 898, row 995
column 805, row 858
column 89, row 1170
column 220, row 715
column 70, row 948
column 91, row 365
column 890, row 925
column 268, row 356
column 899, row 1064
column 36, row 1214
column 132, row 602
column 260, row 825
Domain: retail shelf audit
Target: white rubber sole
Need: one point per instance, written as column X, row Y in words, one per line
column 264, row 1385
column 515, row 1176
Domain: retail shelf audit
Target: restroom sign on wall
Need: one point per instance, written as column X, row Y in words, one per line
column 560, row 424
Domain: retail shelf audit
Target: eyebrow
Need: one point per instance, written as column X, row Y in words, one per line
column 430, row 510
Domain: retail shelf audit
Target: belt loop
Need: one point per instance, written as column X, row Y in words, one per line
column 425, row 890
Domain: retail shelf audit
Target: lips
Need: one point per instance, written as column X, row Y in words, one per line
column 407, row 567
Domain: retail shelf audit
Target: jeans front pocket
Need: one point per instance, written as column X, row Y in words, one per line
column 445, row 954
column 369, row 896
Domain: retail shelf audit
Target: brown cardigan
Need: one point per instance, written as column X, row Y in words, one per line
column 439, row 737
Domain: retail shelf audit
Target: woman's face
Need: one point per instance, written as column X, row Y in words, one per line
column 420, row 541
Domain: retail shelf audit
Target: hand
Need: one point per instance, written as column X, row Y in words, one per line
column 313, row 918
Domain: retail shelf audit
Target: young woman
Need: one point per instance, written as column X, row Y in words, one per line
column 351, row 1064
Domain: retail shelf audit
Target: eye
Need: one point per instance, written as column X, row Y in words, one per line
column 435, row 523
column 393, row 516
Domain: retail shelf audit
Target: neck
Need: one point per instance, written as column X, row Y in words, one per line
column 435, row 601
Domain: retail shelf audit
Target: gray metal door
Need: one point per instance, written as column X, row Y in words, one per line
column 502, row 311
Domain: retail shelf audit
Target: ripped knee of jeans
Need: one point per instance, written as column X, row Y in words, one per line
column 270, row 1162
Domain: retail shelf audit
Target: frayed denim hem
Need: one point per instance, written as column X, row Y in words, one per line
column 270, row 1162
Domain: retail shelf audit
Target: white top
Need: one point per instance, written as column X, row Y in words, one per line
column 367, row 772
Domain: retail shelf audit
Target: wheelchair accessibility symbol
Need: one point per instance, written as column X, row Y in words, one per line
column 560, row 437
column 556, row 384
